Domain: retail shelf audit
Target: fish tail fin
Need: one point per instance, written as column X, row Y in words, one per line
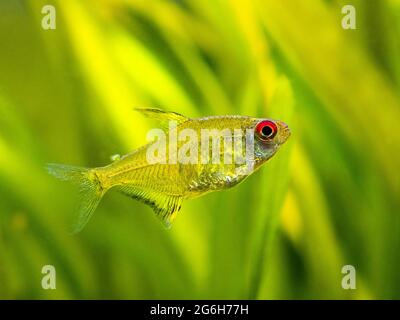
column 90, row 189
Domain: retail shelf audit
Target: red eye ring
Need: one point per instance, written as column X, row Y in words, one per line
column 266, row 130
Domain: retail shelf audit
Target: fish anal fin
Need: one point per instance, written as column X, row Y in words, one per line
column 165, row 206
column 162, row 116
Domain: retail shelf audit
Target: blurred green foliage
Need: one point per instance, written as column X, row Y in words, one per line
column 330, row 197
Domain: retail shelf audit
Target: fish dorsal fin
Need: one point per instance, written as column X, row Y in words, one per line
column 163, row 116
column 166, row 206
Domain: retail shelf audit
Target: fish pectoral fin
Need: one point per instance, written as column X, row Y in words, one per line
column 165, row 206
column 163, row 116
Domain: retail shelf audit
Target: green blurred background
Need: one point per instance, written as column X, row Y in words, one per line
column 330, row 197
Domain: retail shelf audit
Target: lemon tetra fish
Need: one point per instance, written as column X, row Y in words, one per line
column 185, row 161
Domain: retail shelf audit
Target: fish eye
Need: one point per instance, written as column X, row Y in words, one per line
column 266, row 130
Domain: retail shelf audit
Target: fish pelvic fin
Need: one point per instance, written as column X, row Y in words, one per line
column 90, row 190
column 162, row 116
column 166, row 206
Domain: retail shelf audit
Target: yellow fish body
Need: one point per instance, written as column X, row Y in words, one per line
column 192, row 157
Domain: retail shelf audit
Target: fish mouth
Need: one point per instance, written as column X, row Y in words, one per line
column 285, row 132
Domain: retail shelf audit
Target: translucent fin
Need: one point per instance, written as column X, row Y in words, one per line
column 165, row 206
column 90, row 190
column 163, row 116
